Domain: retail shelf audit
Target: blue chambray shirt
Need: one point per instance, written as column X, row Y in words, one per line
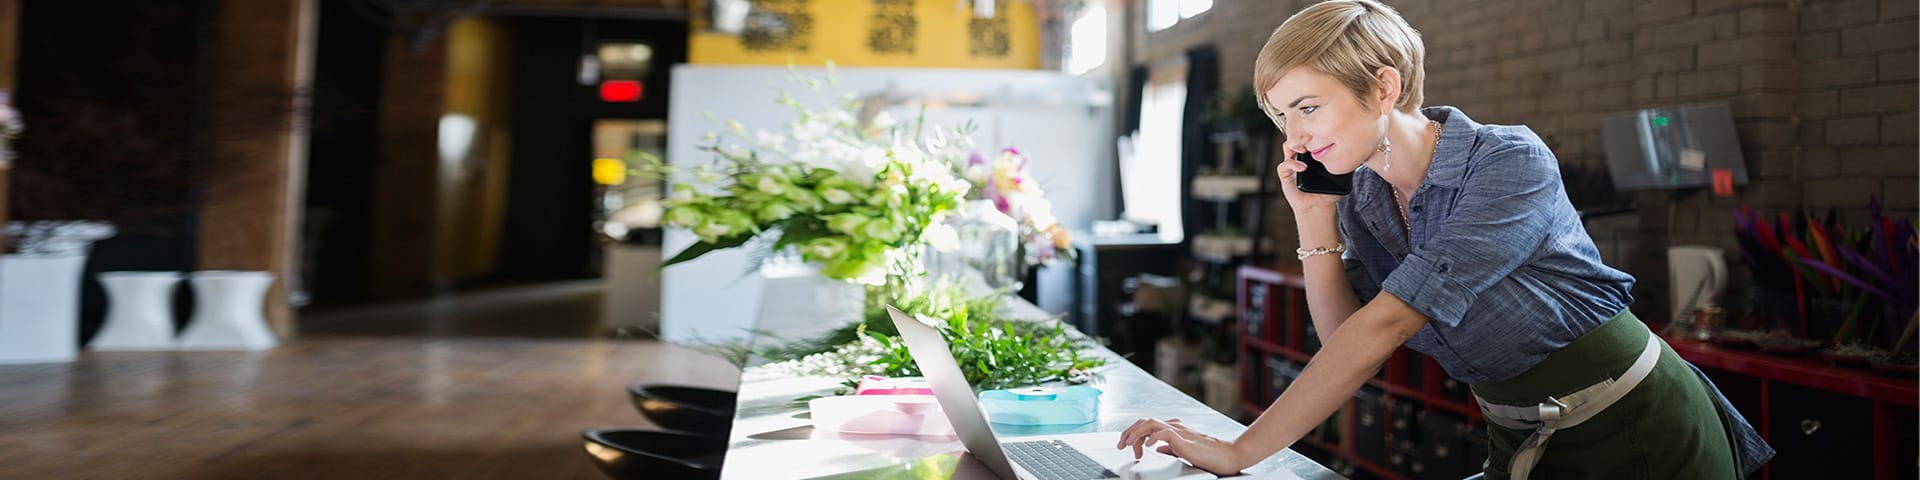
column 1498, row 260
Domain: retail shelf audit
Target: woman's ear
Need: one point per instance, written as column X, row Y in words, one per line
column 1386, row 88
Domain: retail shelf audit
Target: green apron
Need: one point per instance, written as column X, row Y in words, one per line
column 1669, row 426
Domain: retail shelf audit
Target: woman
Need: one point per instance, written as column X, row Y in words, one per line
column 1459, row 243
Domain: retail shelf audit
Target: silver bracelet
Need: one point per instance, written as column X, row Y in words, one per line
column 1304, row 253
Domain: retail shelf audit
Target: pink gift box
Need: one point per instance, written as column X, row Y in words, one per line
column 878, row 385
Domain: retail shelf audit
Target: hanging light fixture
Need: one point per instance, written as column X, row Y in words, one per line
column 728, row 16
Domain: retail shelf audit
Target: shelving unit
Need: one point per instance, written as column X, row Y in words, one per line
column 1410, row 421
column 1225, row 226
column 1826, row 421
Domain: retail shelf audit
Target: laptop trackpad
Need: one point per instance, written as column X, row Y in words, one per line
column 1099, row 447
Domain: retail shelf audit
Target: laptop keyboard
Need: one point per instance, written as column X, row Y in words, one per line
column 1054, row 460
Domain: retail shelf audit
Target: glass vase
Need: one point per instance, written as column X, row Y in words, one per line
column 988, row 255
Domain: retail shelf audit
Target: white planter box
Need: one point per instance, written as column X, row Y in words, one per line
column 40, row 308
column 1210, row 310
column 1222, row 247
column 1223, row 387
column 1224, row 188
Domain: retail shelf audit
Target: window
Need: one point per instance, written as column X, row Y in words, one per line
column 1150, row 169
column 1165, row 13
column 1087, row 40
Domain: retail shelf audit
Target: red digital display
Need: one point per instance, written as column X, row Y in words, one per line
column 620, row 91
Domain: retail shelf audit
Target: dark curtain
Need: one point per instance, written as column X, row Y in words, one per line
column 1203, row 84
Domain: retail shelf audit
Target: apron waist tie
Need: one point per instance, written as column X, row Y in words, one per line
column 1565, row 412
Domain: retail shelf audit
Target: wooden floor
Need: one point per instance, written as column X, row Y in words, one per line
column 441, row 398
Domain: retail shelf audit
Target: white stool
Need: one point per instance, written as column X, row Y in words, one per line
column 139, row 311
column 228, row 311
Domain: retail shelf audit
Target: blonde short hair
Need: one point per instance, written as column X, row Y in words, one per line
column 1349, row 40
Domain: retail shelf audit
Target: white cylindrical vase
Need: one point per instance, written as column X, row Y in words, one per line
column 40, row 307
column 228, row 311
column 139, row 311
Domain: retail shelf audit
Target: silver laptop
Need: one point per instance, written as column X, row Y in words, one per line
column 1042, row 457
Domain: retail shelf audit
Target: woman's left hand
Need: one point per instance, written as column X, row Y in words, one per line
column 1203, row 451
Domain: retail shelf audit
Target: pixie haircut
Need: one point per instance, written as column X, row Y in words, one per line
column 1348, row 40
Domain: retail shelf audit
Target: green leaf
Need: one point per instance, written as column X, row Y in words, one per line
column 701, row 248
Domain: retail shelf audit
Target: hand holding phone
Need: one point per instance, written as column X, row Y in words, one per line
column 1316, row 179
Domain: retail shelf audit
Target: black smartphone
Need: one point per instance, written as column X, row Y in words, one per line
column 1318, row 180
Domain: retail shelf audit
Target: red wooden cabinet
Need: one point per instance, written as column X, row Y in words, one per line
column 1825, row 421
column 1409, row 422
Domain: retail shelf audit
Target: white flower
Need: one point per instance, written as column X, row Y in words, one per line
column 847, row 223
column 942, row 237
column 707, row 176
column 882, row 229
column 874, row 275
column 1039, row 211
column 884, row 121
column 838, row 118
column 836, row 196
column 957, row 186
column 682, row 193
column 808, row 130
column 769, row 140
column 911, row 156
column 682, row 217
column 825, row 248
column 734, row 151
column 712, row 231
column 770, row 184
column 977, row 173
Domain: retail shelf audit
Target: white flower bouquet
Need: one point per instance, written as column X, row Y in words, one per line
column 1004, row 179
column 858, row 198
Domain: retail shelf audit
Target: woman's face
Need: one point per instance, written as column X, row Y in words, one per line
column 1322, row 118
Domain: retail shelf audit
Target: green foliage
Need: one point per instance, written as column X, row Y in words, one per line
column 993, row 351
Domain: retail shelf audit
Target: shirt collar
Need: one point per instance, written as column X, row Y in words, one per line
column 1457, row 139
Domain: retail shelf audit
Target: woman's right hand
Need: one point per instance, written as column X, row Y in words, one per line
column 1302, row 202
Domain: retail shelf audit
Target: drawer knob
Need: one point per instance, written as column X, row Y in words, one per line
column 1809, row 426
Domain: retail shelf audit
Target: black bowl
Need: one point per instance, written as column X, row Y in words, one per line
column 652, row 454
column 692, row 409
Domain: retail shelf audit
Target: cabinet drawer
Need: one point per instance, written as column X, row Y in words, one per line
column 1819, row 434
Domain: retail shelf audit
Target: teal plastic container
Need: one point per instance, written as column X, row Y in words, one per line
column 1042, row 405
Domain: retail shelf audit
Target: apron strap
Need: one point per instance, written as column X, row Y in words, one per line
column 1567, row 411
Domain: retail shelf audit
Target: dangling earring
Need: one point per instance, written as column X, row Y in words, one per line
column 1386, row 152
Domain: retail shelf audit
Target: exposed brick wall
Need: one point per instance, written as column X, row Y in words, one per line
column 1823, row 92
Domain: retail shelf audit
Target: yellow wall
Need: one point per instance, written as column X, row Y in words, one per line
column 842, row 31
column 473, row 188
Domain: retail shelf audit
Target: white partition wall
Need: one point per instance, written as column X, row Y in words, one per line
column 1059, row 121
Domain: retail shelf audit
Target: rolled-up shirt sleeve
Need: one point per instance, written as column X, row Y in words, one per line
column 1500, row 215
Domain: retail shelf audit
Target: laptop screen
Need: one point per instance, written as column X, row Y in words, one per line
column 950, row 387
